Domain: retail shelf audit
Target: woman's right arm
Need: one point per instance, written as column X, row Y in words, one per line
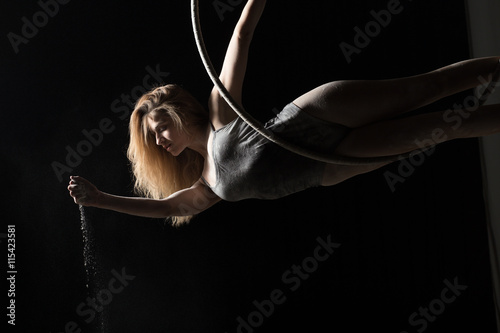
column 187, row 202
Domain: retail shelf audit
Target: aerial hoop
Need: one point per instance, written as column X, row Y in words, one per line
column 257, row 126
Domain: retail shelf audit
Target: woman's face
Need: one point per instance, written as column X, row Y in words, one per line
column 167, row 135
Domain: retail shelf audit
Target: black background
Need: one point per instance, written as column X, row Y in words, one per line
column 397, row 247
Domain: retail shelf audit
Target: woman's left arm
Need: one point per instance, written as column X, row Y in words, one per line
column 235, row 63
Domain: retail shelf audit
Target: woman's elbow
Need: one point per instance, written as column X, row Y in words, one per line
column 244, row 35
column 171, row 209
column 165, row 210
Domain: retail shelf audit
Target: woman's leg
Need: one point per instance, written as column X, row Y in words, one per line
column 357, row 103
column 399, row 136
column 393, row 137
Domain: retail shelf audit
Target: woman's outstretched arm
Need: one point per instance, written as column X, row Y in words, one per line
column 235, row 63
column 187, row 202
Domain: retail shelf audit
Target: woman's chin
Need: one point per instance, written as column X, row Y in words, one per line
column 175, row 153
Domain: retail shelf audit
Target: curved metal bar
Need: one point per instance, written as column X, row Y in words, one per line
column 257, row 126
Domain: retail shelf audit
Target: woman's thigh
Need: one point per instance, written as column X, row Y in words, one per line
column 400, row 136
column 389, row 138
column 355, row 103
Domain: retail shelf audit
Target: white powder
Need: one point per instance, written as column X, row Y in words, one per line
column 94, row 280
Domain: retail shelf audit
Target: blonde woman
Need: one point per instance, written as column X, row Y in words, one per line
column 186, row 159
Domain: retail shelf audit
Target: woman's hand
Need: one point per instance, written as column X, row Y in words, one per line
column 83, row 192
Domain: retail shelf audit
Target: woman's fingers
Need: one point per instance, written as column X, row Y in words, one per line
column 78, row 189
column 78, row 180
column 82, row 191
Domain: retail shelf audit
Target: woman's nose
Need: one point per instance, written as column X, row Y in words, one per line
column 158, row 139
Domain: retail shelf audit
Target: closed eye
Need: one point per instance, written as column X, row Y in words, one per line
column 161, row 128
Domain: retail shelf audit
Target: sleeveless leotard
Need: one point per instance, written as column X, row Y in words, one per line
column 250, row 166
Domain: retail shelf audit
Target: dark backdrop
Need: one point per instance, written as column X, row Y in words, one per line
column 397, row 250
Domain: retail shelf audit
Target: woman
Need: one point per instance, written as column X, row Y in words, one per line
column 185, row 160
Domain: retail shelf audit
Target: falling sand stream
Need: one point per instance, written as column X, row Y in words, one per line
column 93, row 274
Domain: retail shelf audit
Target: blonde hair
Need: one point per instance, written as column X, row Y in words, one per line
column 157, row 173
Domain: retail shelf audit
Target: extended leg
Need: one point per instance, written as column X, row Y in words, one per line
column 357, row 103
column 393, row 137
column 399, row 136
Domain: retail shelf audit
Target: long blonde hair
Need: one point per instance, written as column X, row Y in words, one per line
column 157, row 173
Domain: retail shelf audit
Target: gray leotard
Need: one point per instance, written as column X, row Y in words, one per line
column 250, row 166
